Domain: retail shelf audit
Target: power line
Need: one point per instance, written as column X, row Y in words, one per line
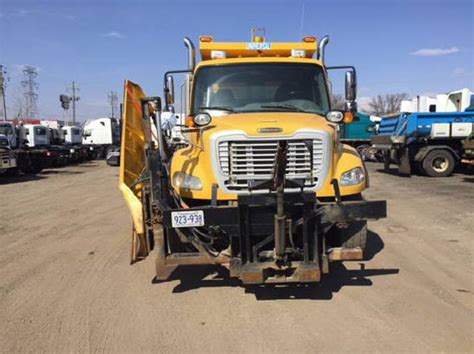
column 31, row 86
column 113, row 101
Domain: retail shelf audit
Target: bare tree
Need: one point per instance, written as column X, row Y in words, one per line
column 337, row 101
column 390, row 103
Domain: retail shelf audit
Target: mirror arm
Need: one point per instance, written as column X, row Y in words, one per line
column 165, row 78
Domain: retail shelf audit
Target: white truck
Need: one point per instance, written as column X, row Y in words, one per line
column 7, row 158
column 24, row 148
column 102, row 135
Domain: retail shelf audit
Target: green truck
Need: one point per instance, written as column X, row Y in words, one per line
column 358, row 134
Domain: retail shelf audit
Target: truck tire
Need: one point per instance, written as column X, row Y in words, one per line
column 363, row 151
column 354, row 235
column 12, row 172
column 438, row 163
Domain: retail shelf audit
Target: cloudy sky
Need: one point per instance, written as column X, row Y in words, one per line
column 413, row 46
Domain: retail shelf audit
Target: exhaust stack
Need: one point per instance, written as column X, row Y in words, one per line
column 321, row 48
column 191, row 53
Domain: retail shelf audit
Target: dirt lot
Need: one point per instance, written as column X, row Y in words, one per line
column 66, row 285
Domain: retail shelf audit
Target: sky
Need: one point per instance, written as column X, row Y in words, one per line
column 414, row 46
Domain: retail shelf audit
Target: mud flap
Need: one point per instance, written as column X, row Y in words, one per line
column 405, row 166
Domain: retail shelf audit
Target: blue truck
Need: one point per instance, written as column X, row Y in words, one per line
column 429, row 143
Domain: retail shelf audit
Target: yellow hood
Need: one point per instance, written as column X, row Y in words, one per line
column 287, row 122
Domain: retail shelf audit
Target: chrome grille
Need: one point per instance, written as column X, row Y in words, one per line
column 244, row 161
column 4, row 154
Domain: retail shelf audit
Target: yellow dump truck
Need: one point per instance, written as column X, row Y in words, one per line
column 260, row 182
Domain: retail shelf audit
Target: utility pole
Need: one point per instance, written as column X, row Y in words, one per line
column 113, row 100
column 74, row 99
column 2, row 93
column 30, row 85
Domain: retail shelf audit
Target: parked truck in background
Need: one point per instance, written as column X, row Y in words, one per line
column 359, row 133
column 73, row 137
column 431, row 143
column 8, row 165
column 27, row 149
column 264, row 185
column 101, row 136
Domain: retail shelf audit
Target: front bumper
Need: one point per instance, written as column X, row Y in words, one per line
column 7, row 163
column 252, row 222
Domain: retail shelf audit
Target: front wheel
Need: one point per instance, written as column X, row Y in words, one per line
column 351, row 236
column 438, row 163
column 355, row 235
column 363, row 151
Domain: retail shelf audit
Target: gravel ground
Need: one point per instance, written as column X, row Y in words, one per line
column 66, row 284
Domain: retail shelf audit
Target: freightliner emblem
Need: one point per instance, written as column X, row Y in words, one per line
column 270, row 130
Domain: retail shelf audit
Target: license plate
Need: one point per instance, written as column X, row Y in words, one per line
column 193, row 218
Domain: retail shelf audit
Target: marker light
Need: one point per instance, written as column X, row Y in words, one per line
column 202, row 119
column 218, row 54
column 348, row 117
column 298, row 53
column 335, row 116
column 206, row 39
column 309, row 39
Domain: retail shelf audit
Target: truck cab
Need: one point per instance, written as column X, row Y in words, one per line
column 72, row 135
column 8, row 162
column 102, row 135
column 262, row 161
column 7, row 129
column 36, row 135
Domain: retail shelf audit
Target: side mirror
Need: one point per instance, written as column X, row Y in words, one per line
column 351, row 86
column 169, row 94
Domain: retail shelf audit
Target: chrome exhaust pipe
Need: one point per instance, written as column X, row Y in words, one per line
column 321, row 48
column 191, row 53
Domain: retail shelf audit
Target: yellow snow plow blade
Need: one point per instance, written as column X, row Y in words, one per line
column 132, row 163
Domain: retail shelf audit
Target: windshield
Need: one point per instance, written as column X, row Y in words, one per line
column 40, row 131
column 6, row 129
column 262, row 87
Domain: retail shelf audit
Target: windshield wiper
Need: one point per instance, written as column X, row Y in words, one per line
column 288, row 107
column 220, row 108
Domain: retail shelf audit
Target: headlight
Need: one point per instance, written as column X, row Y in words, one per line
column 335, row 116
column 398, row 139
column 183, row 180
column 353, row 177
column 202, row 119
